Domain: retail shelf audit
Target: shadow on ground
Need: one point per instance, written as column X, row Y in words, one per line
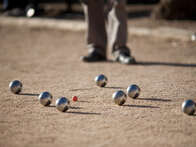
column 156, row 63
column 81, row 101
column 149, row 63
column 81, row 89
column 72, row 107
column 140, row 106
column 83, row 113
column 155, row 99
column 29, row 94
column 76, row 112
column 113, row 87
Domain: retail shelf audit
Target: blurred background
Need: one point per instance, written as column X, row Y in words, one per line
column 141, row 13
column 157, row 9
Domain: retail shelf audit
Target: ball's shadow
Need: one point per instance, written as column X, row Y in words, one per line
column 148, row 99
column 76, row 112
column 80, row 89
column 155, row 99
column 140, row 106
column 28, row 94
column 113, row 87
column 71, row 107
column 52, row 106
column 83, row 113
column 82, row 101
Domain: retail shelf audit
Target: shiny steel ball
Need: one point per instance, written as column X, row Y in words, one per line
column 45, row 98
column 15, row 86
column 119, row 97
column 133, row 91
column 62, row 104
column 188, row 107
column 101, row 80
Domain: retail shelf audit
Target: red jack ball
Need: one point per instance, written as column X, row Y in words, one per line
column 75, row 98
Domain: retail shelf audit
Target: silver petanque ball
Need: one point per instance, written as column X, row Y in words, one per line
column 62, row 104
column 45, row 98
column 133, row 91
column 101, row 80
column 188, row 107
column 119, row 97
column 15, row 86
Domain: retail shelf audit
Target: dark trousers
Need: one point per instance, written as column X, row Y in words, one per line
column 116, row 32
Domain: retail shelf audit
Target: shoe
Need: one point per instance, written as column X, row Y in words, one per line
column 122, row 55
column 125, row 59
column 93, row 57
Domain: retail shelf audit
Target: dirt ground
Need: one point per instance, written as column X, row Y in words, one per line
column 48, row 60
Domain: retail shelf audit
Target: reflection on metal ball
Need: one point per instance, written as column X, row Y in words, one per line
column 15, row 86
column 188, row 107
column 119, row 97
column 62, row 104
column 45, row 98
column 133, row 91
column 101, row 80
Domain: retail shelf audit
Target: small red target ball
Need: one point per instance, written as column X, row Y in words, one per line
column 75, row 98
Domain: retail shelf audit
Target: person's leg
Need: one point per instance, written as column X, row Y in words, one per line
column 69, row 6
column 32, row 2
column 117, row 31
column 6, row 5
column 96, row 31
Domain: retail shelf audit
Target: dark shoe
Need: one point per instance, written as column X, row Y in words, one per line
column 93, row 57
column 123, row 56
column 125, row 59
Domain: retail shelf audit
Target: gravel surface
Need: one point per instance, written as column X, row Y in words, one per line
column 48, row 60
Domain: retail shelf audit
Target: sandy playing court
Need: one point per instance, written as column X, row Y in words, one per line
column 48, row 60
